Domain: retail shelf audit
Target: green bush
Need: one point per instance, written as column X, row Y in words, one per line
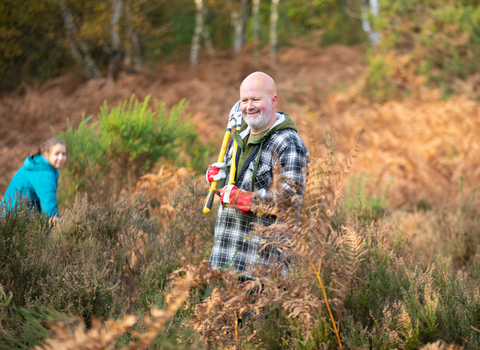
column 108, row 156
column 438, row 40
column 367, row 206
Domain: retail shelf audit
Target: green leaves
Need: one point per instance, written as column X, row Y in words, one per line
column 108, row 156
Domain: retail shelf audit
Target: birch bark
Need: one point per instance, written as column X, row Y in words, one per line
column 132, row 45
column 256, row 22
column 370, row 8
column 195, row 49
column 117, row 10
column 273, row 28
column 86, row 62
column 208, row 41
column 239, row 19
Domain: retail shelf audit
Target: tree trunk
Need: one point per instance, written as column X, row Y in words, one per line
column 273, row 29
column 132, row 45
column 208, row 41
column 86, row 62
column 117, row 9
column 115, row 55
column 239, row 19
column 195, row 49
column 256, row 22
column 370, row 9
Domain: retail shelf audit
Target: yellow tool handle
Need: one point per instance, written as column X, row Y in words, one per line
column 233, row 166
column 211, row 191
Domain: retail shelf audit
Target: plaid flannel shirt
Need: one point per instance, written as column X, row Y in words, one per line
column 236, row 245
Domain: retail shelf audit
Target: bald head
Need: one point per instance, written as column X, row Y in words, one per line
column 260, row 80
column 258, row 96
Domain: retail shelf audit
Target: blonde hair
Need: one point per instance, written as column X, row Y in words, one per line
column 47, row 146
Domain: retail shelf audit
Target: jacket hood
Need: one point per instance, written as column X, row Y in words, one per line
column 283, row 122
column 37, row 162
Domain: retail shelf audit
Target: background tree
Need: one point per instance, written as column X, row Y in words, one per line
column 77, row 46
column 273, row 28
column 194, row 52
column 41, row 39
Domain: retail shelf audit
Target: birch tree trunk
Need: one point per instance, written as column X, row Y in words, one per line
column 370, row 8
column 117, row 9
column 239, row 19
column 273, row 28
column 86, row 62
column 208, row 41
column 132, row 45
column 115, row 55
column 256, row 22
column 195, row 49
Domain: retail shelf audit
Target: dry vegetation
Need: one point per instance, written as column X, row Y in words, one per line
column 403, row 279
column 426, row 144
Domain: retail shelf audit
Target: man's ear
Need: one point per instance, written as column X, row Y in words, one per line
column 274, row 101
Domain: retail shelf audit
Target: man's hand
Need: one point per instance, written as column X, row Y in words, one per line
column 237, row 198
column 216, row 172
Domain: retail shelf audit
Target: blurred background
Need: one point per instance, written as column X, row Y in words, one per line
column 140, row 90
column 406, row 72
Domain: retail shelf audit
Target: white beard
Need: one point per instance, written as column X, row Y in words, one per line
column 258, row 122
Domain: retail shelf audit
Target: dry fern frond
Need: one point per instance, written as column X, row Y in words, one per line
column 350, row 251
column 303, row 230
column 157, row 189
column 216, row 318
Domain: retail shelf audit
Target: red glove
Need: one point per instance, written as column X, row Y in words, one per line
column 216, row 172
column 237, row 198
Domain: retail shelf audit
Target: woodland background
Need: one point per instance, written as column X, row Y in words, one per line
column 140, row 90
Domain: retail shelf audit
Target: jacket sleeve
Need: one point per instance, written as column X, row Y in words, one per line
column 45, row 186
column 294, row 160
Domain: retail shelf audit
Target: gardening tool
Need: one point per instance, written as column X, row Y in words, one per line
column 234, row 121
column 238, row 125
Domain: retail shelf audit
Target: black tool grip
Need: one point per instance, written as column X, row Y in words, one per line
column 209, row 202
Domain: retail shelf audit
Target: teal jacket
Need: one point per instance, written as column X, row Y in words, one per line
column 36, row 181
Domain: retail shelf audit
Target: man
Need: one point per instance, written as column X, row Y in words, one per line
column 267, row 138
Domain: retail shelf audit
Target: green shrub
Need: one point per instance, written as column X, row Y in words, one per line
column 367, row 206
column 434, row 39
column 108, row 156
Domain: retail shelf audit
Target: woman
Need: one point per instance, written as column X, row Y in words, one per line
column 37, row 179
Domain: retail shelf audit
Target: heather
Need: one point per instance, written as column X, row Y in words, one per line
column 383, row 252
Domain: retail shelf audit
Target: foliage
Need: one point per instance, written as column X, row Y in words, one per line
column 108, row 156
column 102, row 260
column 386, row 287
column 36, row 46
column 30, row 44
column 367, row 206
column 431, row 39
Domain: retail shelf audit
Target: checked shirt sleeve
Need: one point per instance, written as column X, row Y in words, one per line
column 293, row 160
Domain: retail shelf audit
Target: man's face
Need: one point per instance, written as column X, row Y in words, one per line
column 257, row 106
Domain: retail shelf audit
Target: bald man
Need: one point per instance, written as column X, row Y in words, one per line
column 266, row 139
